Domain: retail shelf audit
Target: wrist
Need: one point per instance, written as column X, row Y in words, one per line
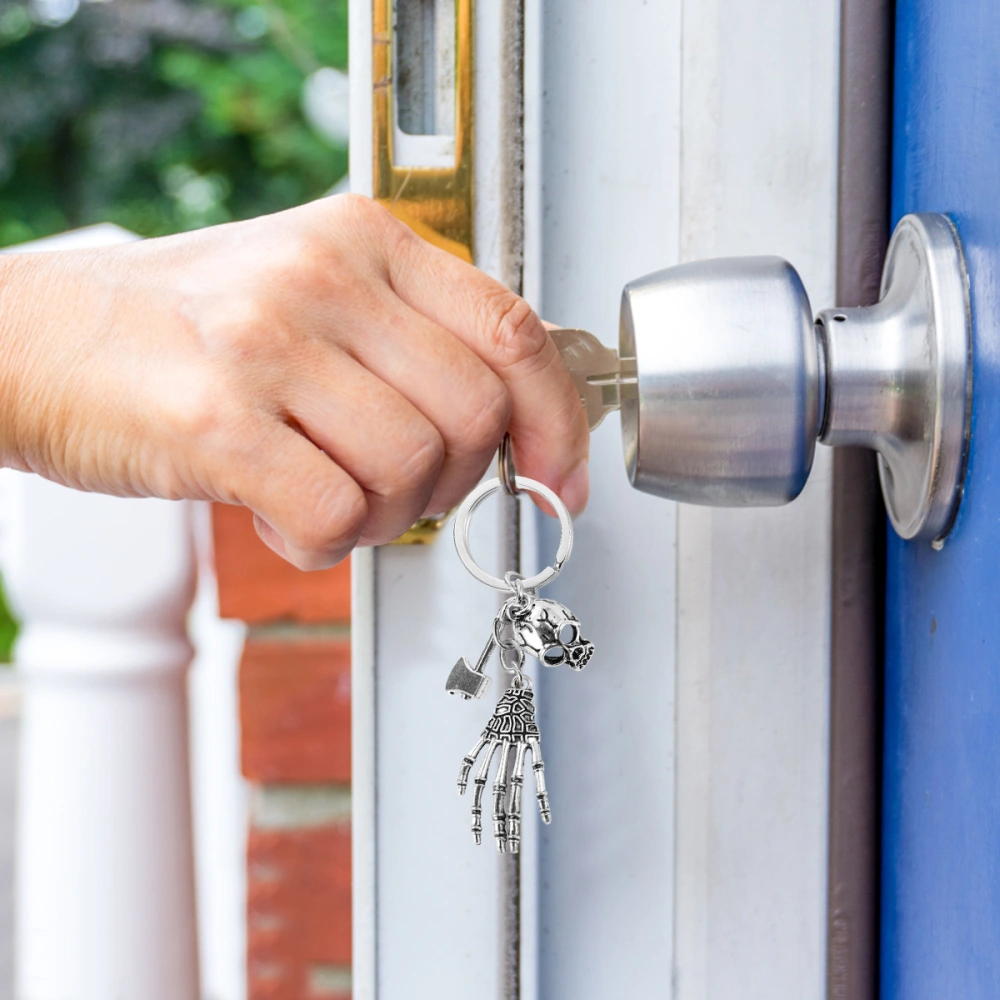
column 19, row 308
column 40, row 300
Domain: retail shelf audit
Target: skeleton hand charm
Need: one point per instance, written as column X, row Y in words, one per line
column 512, row 725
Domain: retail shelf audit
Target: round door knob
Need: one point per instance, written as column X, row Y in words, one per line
column 727, row 362
column 735, row 382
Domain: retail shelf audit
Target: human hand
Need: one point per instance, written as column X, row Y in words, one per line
column 323, row 366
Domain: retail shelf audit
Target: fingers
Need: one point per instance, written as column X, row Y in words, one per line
column 516, row 784
column 306, row 508
column 538, row 766
column 455, row 391
column 467, row 763
column 499, row 800
column 547, row 425
column 393, row 451
column 477, row 796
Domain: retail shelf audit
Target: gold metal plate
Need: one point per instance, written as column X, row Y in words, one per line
column 424, row 531
column 435, row 202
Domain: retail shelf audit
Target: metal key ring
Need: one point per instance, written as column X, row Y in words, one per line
column 506, row 472
column 463, row 521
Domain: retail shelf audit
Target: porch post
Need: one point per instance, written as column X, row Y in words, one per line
column 105, row 903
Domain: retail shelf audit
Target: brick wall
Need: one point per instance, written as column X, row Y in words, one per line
column 295, row 717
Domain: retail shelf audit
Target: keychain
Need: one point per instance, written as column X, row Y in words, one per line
column 524, row 623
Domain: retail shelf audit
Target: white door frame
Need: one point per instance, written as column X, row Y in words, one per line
column 688, row 763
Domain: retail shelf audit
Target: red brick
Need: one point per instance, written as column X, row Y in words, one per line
column 258, row 586
column 295, row 710
column 298, row 907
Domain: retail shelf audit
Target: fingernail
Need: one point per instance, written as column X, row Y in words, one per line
column 575, row 488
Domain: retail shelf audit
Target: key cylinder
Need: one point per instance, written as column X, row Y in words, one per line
column 726, row 411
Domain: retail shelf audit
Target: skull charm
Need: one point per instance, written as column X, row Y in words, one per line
column 551, row 632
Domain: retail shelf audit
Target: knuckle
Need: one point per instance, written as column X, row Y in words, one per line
column 357, row 206
column 244, row 330
column 367, row 219
column 202, row 412
column 482, row 427
column 360, row 237
column 331, row 525
column 297, row 262
column 353, row 514
column 515, row 332
column 416, row 468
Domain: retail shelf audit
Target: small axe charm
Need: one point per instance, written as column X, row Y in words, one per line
column 467, row 681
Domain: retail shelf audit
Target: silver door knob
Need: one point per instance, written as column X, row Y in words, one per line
column 733, row 382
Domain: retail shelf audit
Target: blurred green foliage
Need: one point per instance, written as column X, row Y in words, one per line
column 160, row 115
column 8, row 630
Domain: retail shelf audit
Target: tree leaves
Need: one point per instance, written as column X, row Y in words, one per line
column 160, row 115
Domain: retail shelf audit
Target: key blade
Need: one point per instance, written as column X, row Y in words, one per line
column 601, row 379
column 617, row 386
column 585, row 356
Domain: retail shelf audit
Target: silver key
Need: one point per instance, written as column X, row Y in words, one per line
column 601, row 378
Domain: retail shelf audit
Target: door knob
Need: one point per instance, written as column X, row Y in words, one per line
column 732, row 382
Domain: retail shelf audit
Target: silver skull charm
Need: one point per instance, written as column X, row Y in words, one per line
column 551, row 632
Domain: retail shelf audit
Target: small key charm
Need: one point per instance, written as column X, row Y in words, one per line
column 524, row 624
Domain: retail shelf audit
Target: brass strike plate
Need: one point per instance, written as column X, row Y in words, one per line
column 424, row 531
column 436, row 202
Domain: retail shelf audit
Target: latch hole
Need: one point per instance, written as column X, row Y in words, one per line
column 425, row 67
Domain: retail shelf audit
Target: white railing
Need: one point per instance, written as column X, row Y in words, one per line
column 104, row 889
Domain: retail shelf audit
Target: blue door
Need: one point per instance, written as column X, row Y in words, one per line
column 941, row 819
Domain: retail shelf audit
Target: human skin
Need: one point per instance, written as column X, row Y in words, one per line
column 323, row 366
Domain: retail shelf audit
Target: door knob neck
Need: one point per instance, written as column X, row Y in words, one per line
column 900, row 376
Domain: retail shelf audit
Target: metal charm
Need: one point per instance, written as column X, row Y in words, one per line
column 511, row 727
column 467, row 681
column 525, row 623
column 551, row 632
